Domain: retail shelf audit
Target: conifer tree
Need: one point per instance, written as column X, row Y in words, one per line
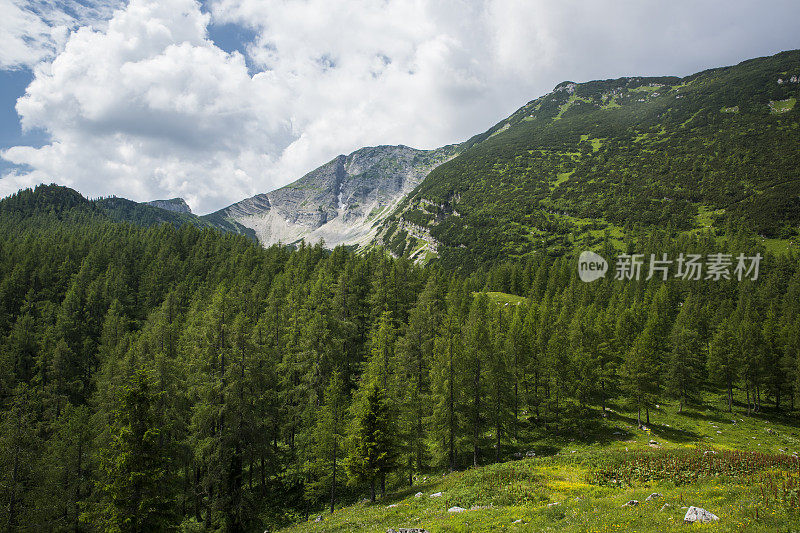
column 135, row 483
column 477, row 347
column 499, row 374
column 446, row 419
column 684, row 375
column 327, row 459
column 724, row 361
column 372, row 442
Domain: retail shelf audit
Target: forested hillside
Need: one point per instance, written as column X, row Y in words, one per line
column 597, row 158
column 150, row 214
column 162, row 377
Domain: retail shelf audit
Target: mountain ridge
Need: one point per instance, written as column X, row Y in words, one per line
column 340, row 202
column 595, row 160
column 586, row 163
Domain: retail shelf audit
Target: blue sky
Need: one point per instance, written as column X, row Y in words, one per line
column 222, row 100
column 12, row 86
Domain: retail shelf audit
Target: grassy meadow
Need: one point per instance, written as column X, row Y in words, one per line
column 740, row 467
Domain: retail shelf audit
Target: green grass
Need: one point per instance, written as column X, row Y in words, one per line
column 782, row 106
column 611, row 103
column 501, row 130
column 503, row 298
column 647, row 89
column 563, row 489
column 596, row 143
column 780, row 246
column 705, row 216
column 561, row 178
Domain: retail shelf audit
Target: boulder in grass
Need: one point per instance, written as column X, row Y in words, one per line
column 698, row 514
column 418, row 495
column 456, row 509
column 436, row 495
column 654, row 496
column 631, row 503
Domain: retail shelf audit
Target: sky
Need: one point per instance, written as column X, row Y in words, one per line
column 216, row 101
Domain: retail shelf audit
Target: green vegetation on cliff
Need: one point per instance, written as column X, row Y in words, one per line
column 617, row 157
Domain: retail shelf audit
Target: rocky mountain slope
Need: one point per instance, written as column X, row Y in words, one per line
column 341, row 202
column 599, row 159
column 177, row 205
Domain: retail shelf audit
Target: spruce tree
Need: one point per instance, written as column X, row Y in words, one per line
column 724, row 360
column 372, row 447
column 327, row 461
column 135, row 485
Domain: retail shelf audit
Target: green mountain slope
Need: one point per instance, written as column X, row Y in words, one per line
column 63, row 202
column 592, row 158
column 145, row 214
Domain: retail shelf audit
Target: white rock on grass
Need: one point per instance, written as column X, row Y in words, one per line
column 456, row 509
column 553, row 504
column 418, row 495
column 698, row 514
column 654, row 496
column 631, row 503
column 436, row 495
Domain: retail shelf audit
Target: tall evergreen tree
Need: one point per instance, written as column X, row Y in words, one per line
column 372, row 442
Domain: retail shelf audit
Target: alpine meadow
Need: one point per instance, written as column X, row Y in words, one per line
column 444, row 367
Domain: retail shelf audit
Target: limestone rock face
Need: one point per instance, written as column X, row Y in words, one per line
column 177, row 205
column 343, row 201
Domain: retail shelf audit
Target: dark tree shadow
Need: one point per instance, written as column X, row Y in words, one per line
column 660, row 430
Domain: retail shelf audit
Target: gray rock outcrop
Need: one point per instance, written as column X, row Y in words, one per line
column 177, row 205
column 343, row 201
column 698, row 514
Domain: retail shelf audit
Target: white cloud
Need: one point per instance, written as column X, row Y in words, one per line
column 148, row 107
column 34, row 30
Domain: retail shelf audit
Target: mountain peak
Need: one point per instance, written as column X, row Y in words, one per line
column 177, row 205
column 341, row 202
column 568, row 86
